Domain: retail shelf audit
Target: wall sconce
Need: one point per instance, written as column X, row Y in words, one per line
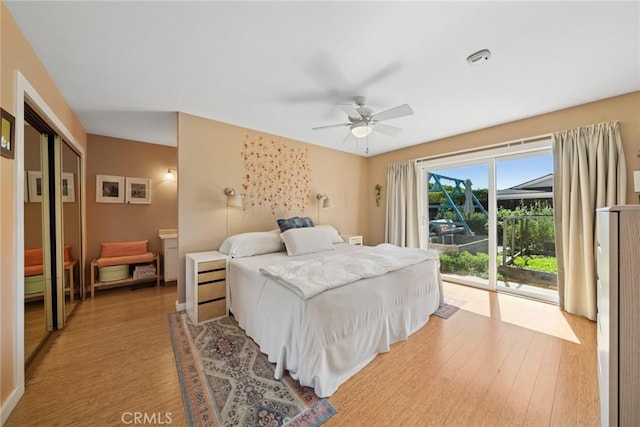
column 326, row 201
column 170, row 176
column 233, row 200
column 323, row 200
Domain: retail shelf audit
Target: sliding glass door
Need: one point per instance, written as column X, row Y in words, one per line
column 490, row 216
column 457, row 220
column 525, row 228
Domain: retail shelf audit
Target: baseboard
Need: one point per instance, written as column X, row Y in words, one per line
column 9, row 404
column 181, row 306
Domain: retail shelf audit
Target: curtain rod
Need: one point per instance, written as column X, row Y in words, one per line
column 514, row 142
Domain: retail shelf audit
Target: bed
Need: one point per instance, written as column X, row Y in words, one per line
column 325, row 339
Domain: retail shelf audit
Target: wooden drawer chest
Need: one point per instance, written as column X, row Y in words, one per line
column 206, row 286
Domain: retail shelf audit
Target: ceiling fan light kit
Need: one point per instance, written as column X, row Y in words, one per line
column 360, row 130
column 362, row 120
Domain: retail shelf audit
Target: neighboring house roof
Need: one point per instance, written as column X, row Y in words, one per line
column 545, row 181
column 539, row 188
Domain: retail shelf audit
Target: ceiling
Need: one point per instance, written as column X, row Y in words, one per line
column 125, row 68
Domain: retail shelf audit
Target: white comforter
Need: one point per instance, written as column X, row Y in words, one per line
column 308, row 278
column 326, row 339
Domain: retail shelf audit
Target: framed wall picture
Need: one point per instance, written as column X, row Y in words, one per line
column 109, row 189
column 8, row 134
column 68, row 187
column 138, row 191
column 34, row 179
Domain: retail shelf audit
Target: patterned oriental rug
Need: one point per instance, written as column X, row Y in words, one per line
column 226, row 380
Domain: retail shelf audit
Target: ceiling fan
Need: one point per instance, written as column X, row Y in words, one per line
column 362, row 120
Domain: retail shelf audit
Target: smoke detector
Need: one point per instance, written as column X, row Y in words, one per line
column 479, row 57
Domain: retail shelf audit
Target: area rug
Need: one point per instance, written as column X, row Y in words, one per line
column 445, row 310
column 226, row 380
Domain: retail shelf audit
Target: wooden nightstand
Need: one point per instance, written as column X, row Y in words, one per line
column 207, row 294
column 352, row 239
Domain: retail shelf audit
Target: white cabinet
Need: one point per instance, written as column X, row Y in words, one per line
column 618, row 334
column 169, row 239
column 352, row 239
column 207, row 294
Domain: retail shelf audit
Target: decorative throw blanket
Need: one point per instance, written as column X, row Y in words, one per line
column 310, row 277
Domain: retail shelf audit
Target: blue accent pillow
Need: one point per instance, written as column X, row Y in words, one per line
column 295, row 222
column 306, row 221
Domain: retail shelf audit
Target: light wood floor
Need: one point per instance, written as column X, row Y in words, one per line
column 35, row 324
column 35, row 328
column 500, row 360
column 115, row 356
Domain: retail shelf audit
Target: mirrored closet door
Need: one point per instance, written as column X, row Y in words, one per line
column 71, row 221
column 52, row 232
column 37, row 298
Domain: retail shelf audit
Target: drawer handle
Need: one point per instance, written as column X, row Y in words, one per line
column 209, row 271
column 211, row 281
column 211, row 300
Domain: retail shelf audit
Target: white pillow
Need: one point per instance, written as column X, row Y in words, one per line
column 306, row 240
column 331, row 233
column 249, row 244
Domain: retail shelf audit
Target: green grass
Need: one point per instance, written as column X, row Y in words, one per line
column 465, row 263
column 537, row 263
column 477, row 265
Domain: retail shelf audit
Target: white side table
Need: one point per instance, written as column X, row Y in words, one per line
column 352, row 239
column 169, row 237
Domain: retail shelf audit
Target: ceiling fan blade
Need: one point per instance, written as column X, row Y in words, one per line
column 308, row 97
column 331, row 126
column 380, row 75
column 324, row 69
column 348, row 137
column 393, row 113
column 350, row 110
column 386, row 129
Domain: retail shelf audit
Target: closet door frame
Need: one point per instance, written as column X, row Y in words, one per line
column 49, row 280
column 52, row 229
column 26, row 92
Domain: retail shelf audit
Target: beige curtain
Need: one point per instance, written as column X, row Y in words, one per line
column 402, row 205
column 589, row 172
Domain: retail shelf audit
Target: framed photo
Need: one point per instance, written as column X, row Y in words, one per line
column 8, row 134
column 34, row 178
column 138, row 191
column 68, row 187
column 109, row 189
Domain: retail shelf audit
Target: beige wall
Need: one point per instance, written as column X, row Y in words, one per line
column 112, row 222
column 625, row 108
column 17, row 54
column 209, row 161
